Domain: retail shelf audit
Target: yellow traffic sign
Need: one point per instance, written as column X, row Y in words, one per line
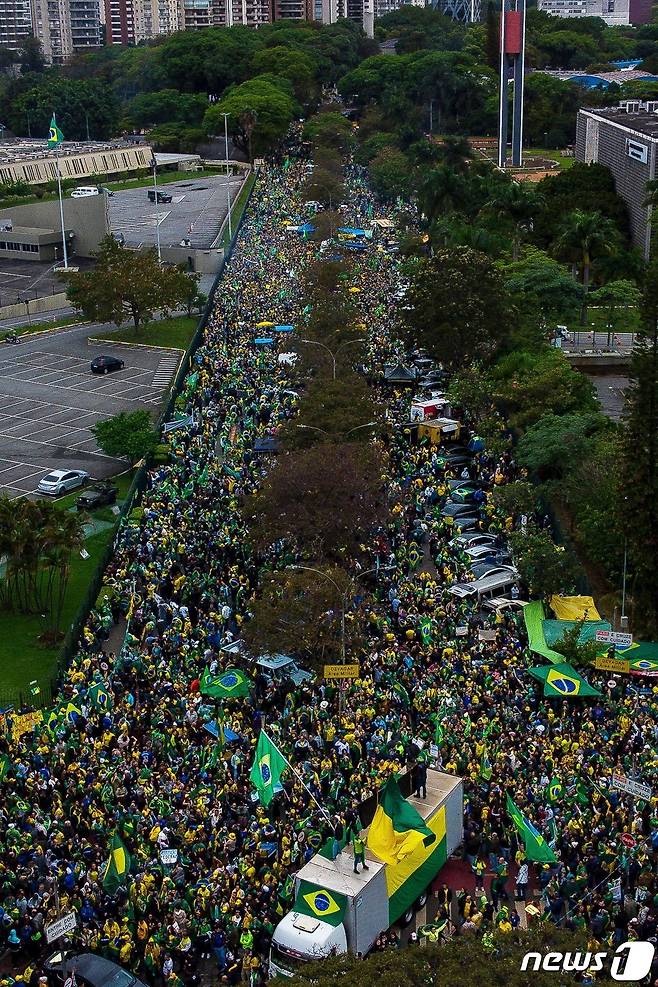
column 341, row 671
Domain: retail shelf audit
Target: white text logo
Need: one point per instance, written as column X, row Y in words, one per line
column 631, row 961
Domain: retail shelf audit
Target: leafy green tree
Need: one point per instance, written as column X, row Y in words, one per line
column 458, row 307
column 538, row 282
column 300, row 613
column 324, row 187
column 260, row 109
column 515, row 498
column 584, row 236
column 127, row 284
column 545, row 568
column 174, row 137
column 169, row 107
column 333, row 411
column 329, row 129
column 295, row 66
column 465, row 960
column 514, row 205
column 529, row 385
column 588, row 187
column 128, row 435
column 556, row 444
column 321, row 499
column 580, row 654
column 74, row 102
column 639, row 488
column 390, row 174
column 568, row 49
column 30, row 55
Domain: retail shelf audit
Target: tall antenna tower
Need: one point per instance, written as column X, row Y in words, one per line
column 512, row 53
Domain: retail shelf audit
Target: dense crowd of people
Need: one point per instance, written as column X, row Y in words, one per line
column 136, row 755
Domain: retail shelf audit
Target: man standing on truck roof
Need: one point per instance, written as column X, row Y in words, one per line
column 359, row 848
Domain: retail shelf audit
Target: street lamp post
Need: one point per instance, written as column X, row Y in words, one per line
column 314, row 428
column 154, row 166
column 332, row 353
column 343, row 602
column 228, row 186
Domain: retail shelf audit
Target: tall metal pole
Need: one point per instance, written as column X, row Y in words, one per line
column 623, row 584
column 154, row 165
column 61, row 211
column 228, row 185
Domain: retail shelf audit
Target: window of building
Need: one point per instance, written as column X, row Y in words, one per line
column 637, row 151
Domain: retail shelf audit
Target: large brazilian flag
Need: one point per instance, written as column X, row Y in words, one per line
column 563, row 680
column 397, row 829
column 227, row 685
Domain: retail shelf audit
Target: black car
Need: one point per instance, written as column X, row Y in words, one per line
column 97, row 496
column 90, row 971
column 162, row 196
column 106, row 364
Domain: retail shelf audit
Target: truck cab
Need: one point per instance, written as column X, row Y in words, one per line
column 300, row 938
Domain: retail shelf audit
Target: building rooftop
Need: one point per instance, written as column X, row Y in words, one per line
column 21, row 149
column 642, row 120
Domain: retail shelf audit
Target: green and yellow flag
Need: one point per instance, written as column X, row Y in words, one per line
column 397, row 829
column 269, row 764
column 329, row 906
column 55, row 136
column 99, row 696
column 5, row 765
column 563, row 680
column 555, row 791
column 118, row 866
column 226, row 685
column 486, row 770
column 536, row 847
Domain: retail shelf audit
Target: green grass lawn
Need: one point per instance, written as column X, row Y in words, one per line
column 22, row 657
column 176, row 332
column 563, row 160
column 72, row 320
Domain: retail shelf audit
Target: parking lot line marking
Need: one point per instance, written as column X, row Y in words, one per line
column 45, row 404
column 55, row 445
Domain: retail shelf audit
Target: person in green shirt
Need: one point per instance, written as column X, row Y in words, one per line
column 359, row 848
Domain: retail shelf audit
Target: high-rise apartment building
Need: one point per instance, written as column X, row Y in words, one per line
column 15, row 22
column 119, row 22
column 85, row 18
column 616, row 13
column 224, row 13
column 51, row 23
column 154, row 17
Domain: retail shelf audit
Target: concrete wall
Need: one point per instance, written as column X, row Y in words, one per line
column 35, row 306
column 201, row 261
column 86, row 217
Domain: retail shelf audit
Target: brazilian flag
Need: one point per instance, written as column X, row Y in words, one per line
column 555, row 791
column 55, row 135
column 118, row 866
column 426, row 631
column 398, row 828
column 318, row 902
column 536, row 847
column 5, row 765
column 227, row 685
column 99, row 696
column 563, row 680
column 269, row 764
column 486, row 769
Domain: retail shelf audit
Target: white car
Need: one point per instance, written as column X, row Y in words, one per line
column 59, row 481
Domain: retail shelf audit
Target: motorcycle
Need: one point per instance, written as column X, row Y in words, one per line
column 12, row 337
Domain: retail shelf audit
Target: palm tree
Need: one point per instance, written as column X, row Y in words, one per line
column 584, row 236
column 515, row 204
column 456, row 153
column 443, row 191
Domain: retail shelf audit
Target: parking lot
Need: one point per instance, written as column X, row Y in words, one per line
column 21, row 280
column 196, row 212
column 49, row 401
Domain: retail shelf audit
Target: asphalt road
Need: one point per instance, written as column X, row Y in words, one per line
column 49, row 400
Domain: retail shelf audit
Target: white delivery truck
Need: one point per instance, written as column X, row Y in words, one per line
column 342, row 911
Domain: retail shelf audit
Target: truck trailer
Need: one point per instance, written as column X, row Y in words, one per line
column 337, row 911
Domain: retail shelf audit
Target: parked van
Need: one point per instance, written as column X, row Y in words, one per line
column 83, row 191
column 486, row 587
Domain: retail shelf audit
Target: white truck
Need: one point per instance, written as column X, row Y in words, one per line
column 343, row 911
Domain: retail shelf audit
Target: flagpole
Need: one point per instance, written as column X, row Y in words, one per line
column 61, row 211
column 299, row 777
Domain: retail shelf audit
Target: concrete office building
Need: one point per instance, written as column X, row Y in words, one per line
column 34, row 232
column 625, row 139
column 616, row 13
column 31, row 161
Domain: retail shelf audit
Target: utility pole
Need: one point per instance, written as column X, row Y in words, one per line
column 154, row 166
